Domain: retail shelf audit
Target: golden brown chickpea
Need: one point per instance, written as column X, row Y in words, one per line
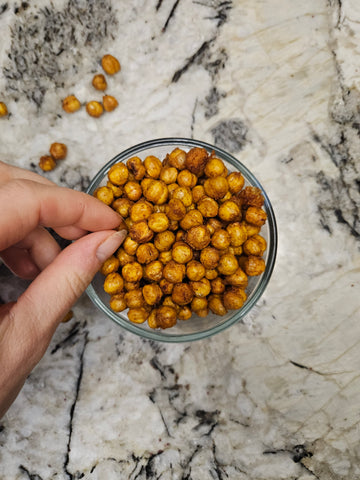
column 113, row 283
column 220, row 239
column 153, row 271
column 235, row 250
column 184, row 313
column 202, row 288
column 168, row 175
column 184, row 195
column 136, row 167
column 94, row 109
column 196, row 160
column 130, row 246
column 117, row 302
column 174, row 272
column 211, row 274
column 153, row 166
column 158, row 222
column 182, row 253
column 177, row 158
column 199, row 303
column 99, row 82
column 133, row 191
column 256, row 216
column 238, row 279
column 255, row 245
column 140, row 232
column 58, row 150
column 165, row 257
column 71, row 104
column 132, row 272
column 214, row 224
column 152, row 294
column 141, row 210
column 210, row 257
column 191, row 219
column 169, row 302
column 182, row 294
column 216, row 305
column 104, row 194
column 251, row 196
column 228, row 196
column 165, row 317
column 173, row 225
column 124, row 257
column 175, row 209
column 216, row 187
column 235, row 181
column 152, row 319
column 129, row 223
column 198, row 193
column 110, row 265
column 228, row 264
column 3, row 109
column 238, row 234
column 217, row 286
column 234, row 298
column 171, row 188
column 110, row 64
column 215, row 168
column 229, row 211
column 202, row 313
column 195, row 270
column 208, row 207
column 118, row 174
column 146, row 253
column 164, row 241
column 117, row 191
column 130, row 286
column 180, row 236
column 134, row 298
column 47, row 163
column 155, row 191
column 186, row 179
column 252, row 265
column 250, row 229
column 166, row 286
column 159, row 208
column 138, row 315
column 198, row 237
column 110, row 103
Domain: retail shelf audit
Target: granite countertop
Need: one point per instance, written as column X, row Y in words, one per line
column 277, row 84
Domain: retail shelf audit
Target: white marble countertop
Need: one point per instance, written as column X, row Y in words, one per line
column 276, row 83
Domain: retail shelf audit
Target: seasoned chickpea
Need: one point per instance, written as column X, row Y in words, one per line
column 210, row 257
column 174, row 272
column 171, row 188
column 140, row 232
column 180, row 236
column 110, row 64
column 202, row 288
column 166, row 286
column 164, row 241
column 152, row 323
column 124, row 257
column 251, row 196
column 113, row 283
column 122, row 206
column 220, row 239
column 165, row 316
column 155, row 191
column 252, row 265
column 94, row 109
column 158, row 222
column 198, row 237
column 235, row 181
column 186, row 179
column 192, row 219
column 130, row 286
column 182, row 253
column 117, row 302
column 238, row 234
column 104, row 194
column 168, row 175
column 153, row 166
column 153, row 271
column 110, row 103
column 228, row 264
column 134, row 298
column 234, row 298
column 250, row 229
column 3, row 109
column 47, row 163
column 58, row 150
column 99, row 82
column 133, row 191
column 130, row 246
column 146, row 253
column 152, row 293
column 138, row 315
column 256, row 216
column 71, row 104
column 235, row 250
column 215, row 168
column 159, row 208
column 214, row 224
column 198, row 193
column 182, row 294
column 208, row 207
column 216, row 187
column 141, row 210
column 110, row 265
column 175, row 209
column 217, row 285
column 136, row 167
column 118, row 174
column 255, row 245
column 203, row 313
column 195, row 270
column 132, row 272
column 177, row 158
column 184, row 195
column 216, row 305
column 196, row 160
column 173, row 225
column 211, row 274
column 199, row 303
column 228, row 196
column 169, row 302
column 117, row 191
column 184, row 313
column 229, row 211
column 238, row 279
column 165, row 257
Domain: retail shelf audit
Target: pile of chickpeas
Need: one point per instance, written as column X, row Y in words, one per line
column 194, row 237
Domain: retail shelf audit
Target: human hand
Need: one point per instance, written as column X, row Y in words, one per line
column 29, row 203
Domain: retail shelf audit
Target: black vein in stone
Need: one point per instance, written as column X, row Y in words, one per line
column 299, row 365
column 73, row 332
column 31, row 476
column 158, row 5
column 200, row 52
column 171, row 14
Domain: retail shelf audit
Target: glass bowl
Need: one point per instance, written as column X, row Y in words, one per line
column 196, row 328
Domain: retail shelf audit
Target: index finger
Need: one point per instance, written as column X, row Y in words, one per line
column 27, row 204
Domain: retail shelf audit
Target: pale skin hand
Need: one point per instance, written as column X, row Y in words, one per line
column 28, row 203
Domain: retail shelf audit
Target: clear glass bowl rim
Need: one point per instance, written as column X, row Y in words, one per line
column 158, row 335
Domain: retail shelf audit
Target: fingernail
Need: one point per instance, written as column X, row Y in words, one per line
column 112, row 243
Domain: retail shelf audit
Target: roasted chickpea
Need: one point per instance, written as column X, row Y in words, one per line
column 196, row 160
column 184, row 313
column 133, row 191
column 165, row 316
column 153, row 271
column 58, row 150
column 166, row 286
column 124, row 257
column 138, row 315
column 177, row 158
column 202, row 288
column 171, row 188
column 211, row 274
column 208, row 207
column 198, row 237
column 220, row 239
column 255, row 245
column 235, row 181
column 140, row 232
column 192, row 219
column 155, row 191
column 113, row 283
column 174, row 272
column 164, row 241
column 252, row 265
column 228, row 264
column 130, row 286
column 122, row 206
column 146, row 253
column 216, row 305
column 173, row 225
column 203, row 313
column 71, row 104
column 110, row 265
column 130, row 246
column 184, row 195
column 186, row 179
column 175, row 209
column 256, row 216
column 152, row 294
column 117, row 190
column 47, row 163
column 195, row 270
column 234, row 298
column 180, row 236
column 159, row 208
column 169, row 302
column 168, row 175
column 199, row 303
column 117, row 302
column 251, row 197
column 165, row 257
column 132, row 272
column 235, row 250
column 153, row 166
column 238, row 279
column 118, row 174
column 217, row 285
column 99, row 82
column 110, row 64
column 238, row 234
column 216, row 187
column 215, row 168
column 134, row 298
column 250, row 229
column 229, row 211
column 3, row 109
column 110, row 103
column 94, row 109
column 210, row 257
column 105, row 195
column 182, row 294
column 141, row 210
column 136, row 167
column 158, row 222
column 228, row 196
column 198, row 193
column 182, row 253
